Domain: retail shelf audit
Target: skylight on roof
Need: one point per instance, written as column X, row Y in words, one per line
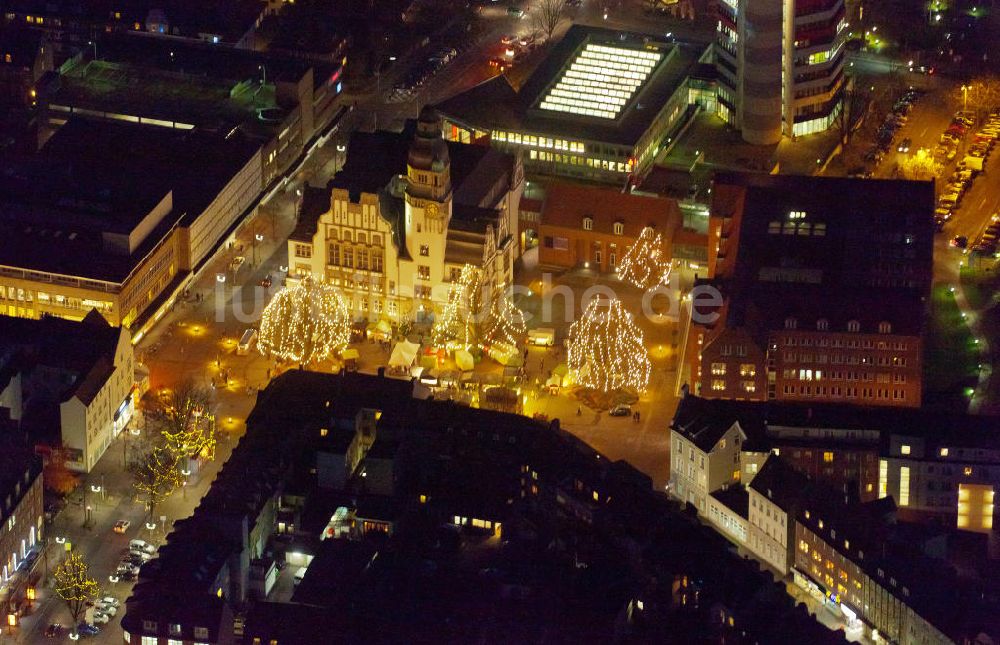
column 601, row 81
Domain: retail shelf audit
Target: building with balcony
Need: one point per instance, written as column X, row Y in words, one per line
column 601, row 105
column 407, row 212
column 822, row 286
column 781, row 66
column 68, row 385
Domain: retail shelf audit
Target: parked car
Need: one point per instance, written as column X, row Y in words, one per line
column 142, row 545
column 100, row 618
column 87, row 629
column 110, row 610
column 110, row 600
column 517, row 12
column 121, row 526
column 959, row 242
column 904, row 145
column 620, row 410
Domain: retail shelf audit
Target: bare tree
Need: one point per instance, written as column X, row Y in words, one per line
column 856, row 101
column 547, row 16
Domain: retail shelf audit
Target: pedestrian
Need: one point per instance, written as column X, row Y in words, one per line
column 637, row 417
column 578, row 411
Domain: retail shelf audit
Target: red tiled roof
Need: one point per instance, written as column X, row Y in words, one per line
column 567, row 204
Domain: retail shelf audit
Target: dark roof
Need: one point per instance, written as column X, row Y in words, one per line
column 16, row 459
column 314, row 202
column 567, row 204
column 85, row 349
column 876, row 232
column 495, row 105
column 735, row 498
column 943, row 429
column 781, row 484
column 705, row 421
column 92, row 178
column 294, row 623
column 205, row 59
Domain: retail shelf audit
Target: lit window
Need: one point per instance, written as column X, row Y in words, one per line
column 618, row 228
column 853, row 326
column 718, row 385
column 718, row 369
column 828, row 457
column 904, row 486
column 968, row 471
column 175, row 628
column 944, row 452
column 748, row 370
column 201, row 632
column 588, row 223
column 425, row 250
column 904, row 449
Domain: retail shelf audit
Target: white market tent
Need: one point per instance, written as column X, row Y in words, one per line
column 403, row 354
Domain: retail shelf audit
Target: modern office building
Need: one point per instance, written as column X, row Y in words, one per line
column 823, row 285
column 93, row 221
column 600, row 106
column 407, row 212
column 781, row 66
column 70, row 386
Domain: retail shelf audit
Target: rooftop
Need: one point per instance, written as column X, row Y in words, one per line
column 784, row 486
column 584, row 89
column 92, row 179
column 566, row 205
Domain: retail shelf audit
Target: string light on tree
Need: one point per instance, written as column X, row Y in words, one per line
column 645, row 264
column 606, row 349
column 305, row 323
column 455, row 328
column 505, row 328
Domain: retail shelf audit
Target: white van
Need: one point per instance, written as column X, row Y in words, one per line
column 249, row 336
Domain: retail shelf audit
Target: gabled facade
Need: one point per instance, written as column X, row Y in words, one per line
column 393, row 238
column 703, row 460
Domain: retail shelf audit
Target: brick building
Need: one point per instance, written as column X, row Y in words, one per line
column 823, row 285
column 593, row 227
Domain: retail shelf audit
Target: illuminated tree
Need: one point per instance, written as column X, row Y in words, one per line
column 156, row 475
column 645, row 264
column 182, row 418
column 920, row 165
column 456, row 327
column 74, row 585
column 606, row 349
column 305, row 323
column 980, row 94
column 504, row 328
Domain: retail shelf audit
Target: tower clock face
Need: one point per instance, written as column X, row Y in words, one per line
column 431, row 209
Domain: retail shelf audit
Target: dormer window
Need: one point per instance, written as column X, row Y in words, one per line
column 853, row 326
column 822, row 324
column 588, row 223
column 618, row 228
column 884, row 328
column 791, row 323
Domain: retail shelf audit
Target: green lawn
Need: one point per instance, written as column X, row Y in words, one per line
column 951, row 357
